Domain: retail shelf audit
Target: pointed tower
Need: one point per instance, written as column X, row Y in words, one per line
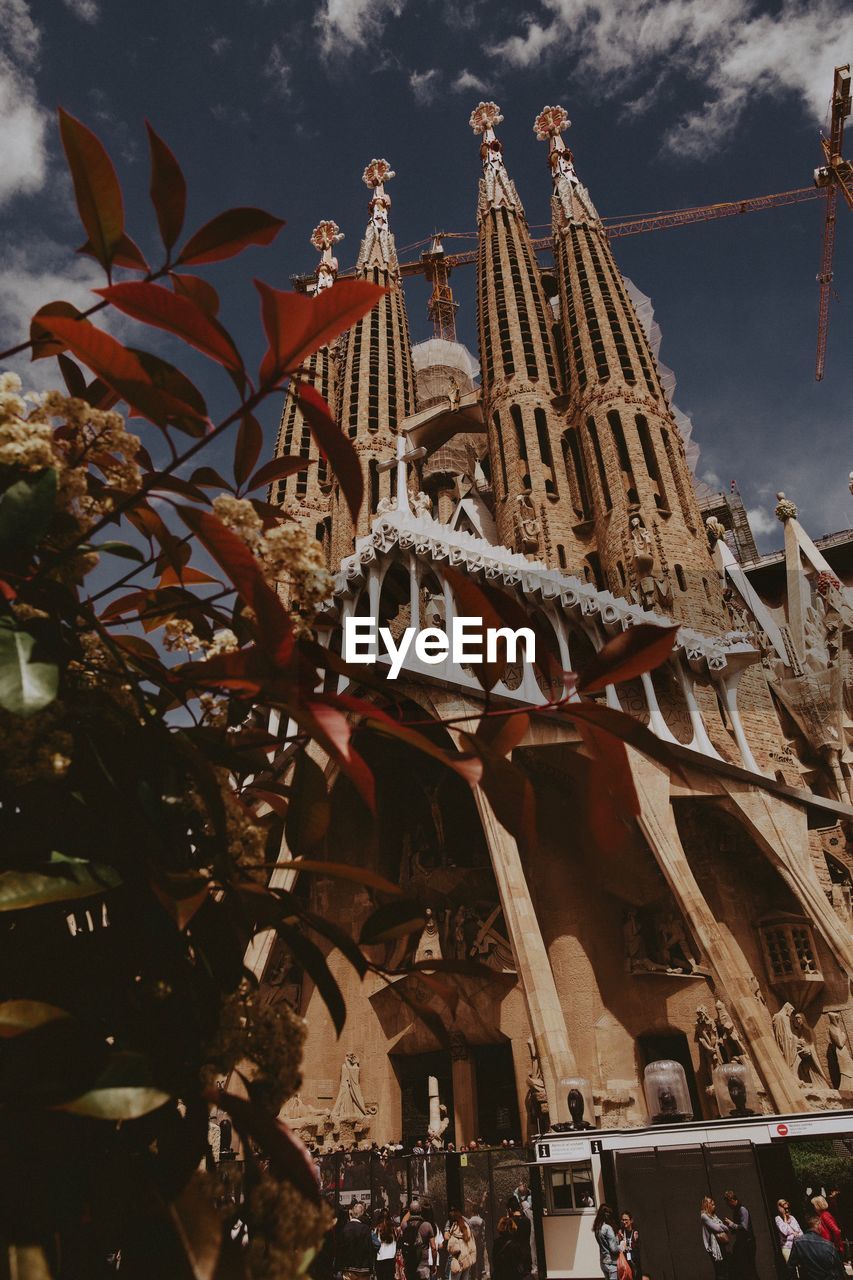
column 377, row 386
column 519, row 368
column 624, row 453
column 306, row 494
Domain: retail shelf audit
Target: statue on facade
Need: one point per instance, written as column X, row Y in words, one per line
column 643, row 553
column 675, row 949
column 454, row 395
column 527, row 526
column 350, row 1107
column 840, row 1057
column 637, row 958
column 536, row 1098
column 808, row 1067
column 429, row 943
column 438, row 1118
column 707, row 1041
column 785, row 1037
column 385, row 505
column 731, row 1047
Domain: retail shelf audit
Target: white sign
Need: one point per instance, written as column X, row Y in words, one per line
column 572, row 1150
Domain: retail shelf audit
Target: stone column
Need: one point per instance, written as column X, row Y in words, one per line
column 544, row 1011
column 464, row 1089
column 728, row 963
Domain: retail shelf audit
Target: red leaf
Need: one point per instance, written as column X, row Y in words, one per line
column 129, row 254
column 503, row 733
column 229, row 233
column 640, row 648
column 275, row 632
column 154, row 305
column 137, row 647
column 279, row 469
column 192, row 416
column 197, row 289
column 134, row 600
column 247, row 449
column 335, row 447
column 297, row 325
column 169, row 578
column 168, row 189
column 147, row 521
column 467, row 767
column 96, row 188
column 73, row 376
column 290, row 1160
column 118, row 366
column 41, row 330
column 210, row 479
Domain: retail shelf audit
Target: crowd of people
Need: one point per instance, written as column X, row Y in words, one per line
column 619, row 1248
column 416, row 1246
column 814, row 1251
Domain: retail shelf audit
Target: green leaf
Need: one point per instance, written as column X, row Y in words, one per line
column 123, row 1091
column 123, row 549
column 17, row 1016
column 25, row 686
column 62, row 880
column 26, row 510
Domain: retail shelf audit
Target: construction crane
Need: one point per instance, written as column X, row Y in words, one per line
column 834, row 176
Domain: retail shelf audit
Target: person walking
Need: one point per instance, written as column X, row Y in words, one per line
column 787, row 1226
column 417, row 1241
column 715, row 1238
column 629, row 1238
column 523, row 1230
column 829, row 1228
column 355, row 1252
column 461, row 1246
column 507, row 1259
column 604, row 1230
column 813, row 1257
column 478, row 1230
column 385, row 1242
column 739, row 1222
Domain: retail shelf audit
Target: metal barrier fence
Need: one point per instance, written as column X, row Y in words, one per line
column 477, row 1182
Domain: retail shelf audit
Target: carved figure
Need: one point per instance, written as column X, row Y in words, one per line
column 536, row 1099
column 808, row 1067
column 350, row 1106
column 675, row 949
column 785, row 1037
column 840, row 1057
column 731, row 1048
column 438, row 1118
column 453, row 394
column 429, row 944
column 526, row 525
column 716, row 529
column 385, row 505
column 637, row 959
column 421, row 504
column 705, row 1036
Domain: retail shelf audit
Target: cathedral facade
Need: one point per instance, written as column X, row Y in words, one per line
column 713, row 933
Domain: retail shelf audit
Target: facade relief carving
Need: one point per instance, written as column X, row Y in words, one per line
column 656, row 941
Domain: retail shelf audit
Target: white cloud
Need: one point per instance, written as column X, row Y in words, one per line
column 712, row 480
column 85, row 10
column 762, row 522
column 277, row 71
column 732, row 50
column 35, row 273
column 346, row 24
column 220, row 45
column 424, row 85
column 23, row 120
column 467, row 80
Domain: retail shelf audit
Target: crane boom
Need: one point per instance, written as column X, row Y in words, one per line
column 831, row 178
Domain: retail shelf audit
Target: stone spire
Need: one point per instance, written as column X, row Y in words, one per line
column 519, row 366
column 377, row 384
column 306, row 494
column 631, row 486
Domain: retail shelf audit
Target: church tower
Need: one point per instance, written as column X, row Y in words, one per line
column 306, row 494
column 519, row 368
column 624, row 454
column 377, row 384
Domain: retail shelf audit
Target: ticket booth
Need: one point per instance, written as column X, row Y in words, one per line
column 660, row 1175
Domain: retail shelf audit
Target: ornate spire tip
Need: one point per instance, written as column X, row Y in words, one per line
column 377, row 173
column 550, row 122
column 326, row 234
column 485, row 116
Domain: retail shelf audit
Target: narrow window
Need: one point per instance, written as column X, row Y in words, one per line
column 599, row 462
column 680, row 578
column 650, row 459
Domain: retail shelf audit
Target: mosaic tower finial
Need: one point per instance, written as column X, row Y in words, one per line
column 324, row 237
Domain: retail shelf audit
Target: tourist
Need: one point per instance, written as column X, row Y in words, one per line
column 507, row 1260
column 829, row 1228
column 354, row 1246
column 385, row 1236
column 813, row 1257
column 523, row 1232
column 742, row 1260
column 478, row 1230
column 629, row 1238
column 604, row 1230
column 715, row 1238
column 787, row 1226
column 461, row 1246
column 418, row 1241
column 834, row 1200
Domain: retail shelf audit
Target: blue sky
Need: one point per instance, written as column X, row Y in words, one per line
column 281, row 103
